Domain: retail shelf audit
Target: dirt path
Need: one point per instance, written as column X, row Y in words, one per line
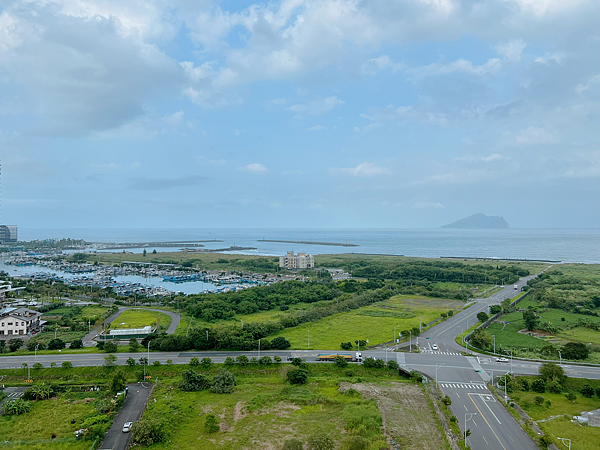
column 408, row 421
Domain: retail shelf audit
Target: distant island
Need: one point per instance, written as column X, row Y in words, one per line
column 479, row 220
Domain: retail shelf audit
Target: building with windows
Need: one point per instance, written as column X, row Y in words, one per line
column 19, row 322
column 8, row 234
column 297, row 262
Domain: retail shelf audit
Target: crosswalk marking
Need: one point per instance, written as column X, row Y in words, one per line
column 464, row 386
column 431, row 352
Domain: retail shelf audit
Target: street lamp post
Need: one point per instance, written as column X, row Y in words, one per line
column 410, row 341
column 511, row 355
column 35, row 351
column 470, row 417
column 564, row 443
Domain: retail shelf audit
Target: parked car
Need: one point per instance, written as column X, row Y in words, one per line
column 501, row 360
column 127, row 427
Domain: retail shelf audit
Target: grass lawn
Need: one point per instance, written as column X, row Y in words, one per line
column 581, row 334
column 139, row 318
column 49, row 419
column 375, row 323
column 508, row 338
column 582, row 437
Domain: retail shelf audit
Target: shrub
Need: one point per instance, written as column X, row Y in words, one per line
column 392, row 364
column 67, row 365
column 321, row 442
column 100, row 345
column 297, row 376
column 194, row 361
column 416, row 376
column 545, row 441
column 570, row 396
column 280, row 343
column 169, row 362
column 265, row 360
column 55, row 344
column 482, row 317
column 17, row 407
column 277, row 359
column 548, row 403
column 355, row 443
column 538, row 399
column 15, row 344
column 223, row 382
column 447, row 400
column 156, row 363
column 206, row 363
column 346, row 345
column 211, row 425
column 292, row 444
column 554, row 387
column 575, row 350
column 450, row 313
column 134, row 345
column 242, row 360
column 41, row 366
column 552, row 372
column 193, row 381
column 297, row 362
column 598, row 392
column 587, row 391
column 110, row 347
column 524, row 384
column 117, row 382
column 340, row 361
column 538, row 386
column 253, row 360
column 148, row 432
column 130, row 361
column 77, row 343
column 229, row 361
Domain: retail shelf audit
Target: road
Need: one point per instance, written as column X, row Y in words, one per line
column 175, row 319
column 132, row 410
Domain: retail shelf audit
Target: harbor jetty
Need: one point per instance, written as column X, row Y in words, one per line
column 311, row 242
column 126, row 245
column 232, row 248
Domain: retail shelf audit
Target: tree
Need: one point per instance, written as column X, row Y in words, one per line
column 77, row 343
column 67, row 365
column 554, row 387
column 575, row 350
column 392, row 364
column 193, row 381
column 362, row 343
column 346, row 345
column 280, row 343
column 148, row 432
column 277, row 359
column 143, row 361
column 31, row 345
column 56, row 344
column 321, row 442
column 297, row 362
column 538, row 386
column 265, row 360
column 531, row 320
column 229, row 361
column 292, row 444
column 552, row 372
column 38, row 366
column 223, row 382
column 15, row 344
column 242, row 360
column 144, row 253
column 538, row 400
column 130, row 362
column 117, row 382
column 194, row 361
column 482, row 316
column 110, row 347
column 570, row 396
column 41, row 391
column 134, row 345
column 495, row 309
column 450, row 313
column 546, row 441
column 297, row 376
column 109, row 360
column 340, row 361
column 211, row 425
column 481, row 338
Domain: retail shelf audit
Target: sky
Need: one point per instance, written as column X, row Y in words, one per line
column 299, row 113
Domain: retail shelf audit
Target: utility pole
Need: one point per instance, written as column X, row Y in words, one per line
column 470, row 417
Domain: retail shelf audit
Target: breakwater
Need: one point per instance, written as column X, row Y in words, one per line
column 311, row 242
column 475, row 258
column 127, row 245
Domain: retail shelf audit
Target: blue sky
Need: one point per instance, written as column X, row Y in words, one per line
column 299, row 113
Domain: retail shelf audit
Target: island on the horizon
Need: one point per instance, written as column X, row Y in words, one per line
column 479, row 220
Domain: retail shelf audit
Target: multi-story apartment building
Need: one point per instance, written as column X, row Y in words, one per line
column 19, row 322
column 296, row 262
column 8, row 234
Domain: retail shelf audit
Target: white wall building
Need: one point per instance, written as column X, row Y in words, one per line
column 295, row 262
column 19, row 322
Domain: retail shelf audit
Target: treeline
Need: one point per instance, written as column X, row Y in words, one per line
column 554, row 290
column 436, row 271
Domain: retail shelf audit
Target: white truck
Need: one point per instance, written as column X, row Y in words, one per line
column 516, row 287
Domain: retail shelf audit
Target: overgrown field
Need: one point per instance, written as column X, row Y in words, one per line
column 375, row 323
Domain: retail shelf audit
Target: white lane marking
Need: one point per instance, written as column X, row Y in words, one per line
column 485, row 440
column 465, row 407
column 457, row 395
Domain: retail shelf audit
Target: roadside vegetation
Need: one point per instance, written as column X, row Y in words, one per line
column 139, row 318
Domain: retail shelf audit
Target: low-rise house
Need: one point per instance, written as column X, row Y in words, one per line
column 20, row 322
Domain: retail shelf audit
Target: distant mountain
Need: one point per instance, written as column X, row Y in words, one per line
column 479, row 221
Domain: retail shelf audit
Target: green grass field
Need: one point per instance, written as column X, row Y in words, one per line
column 139, row 318
column 581, row 334
column 375, row 323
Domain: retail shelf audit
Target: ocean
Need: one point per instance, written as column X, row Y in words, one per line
column 566, row 245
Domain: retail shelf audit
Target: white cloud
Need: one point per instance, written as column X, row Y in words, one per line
column 512, row 50
column 363, row 169
column 426, row 205
column 317, row 107
column 534, row 135
column 255, row 168
column 316, row 128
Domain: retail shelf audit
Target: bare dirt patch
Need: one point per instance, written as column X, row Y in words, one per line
column 237, row 411
column 408, row 421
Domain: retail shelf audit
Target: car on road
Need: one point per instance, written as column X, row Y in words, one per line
column 501, row 360
column 434, row 347
column 127, row 427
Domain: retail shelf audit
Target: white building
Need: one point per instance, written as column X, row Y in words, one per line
column 295, row 262
column 19, row 322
